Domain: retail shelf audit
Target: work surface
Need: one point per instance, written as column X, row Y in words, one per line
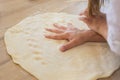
column 13, row 11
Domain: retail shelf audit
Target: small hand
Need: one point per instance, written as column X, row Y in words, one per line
column 74, row 36
column 97, row 23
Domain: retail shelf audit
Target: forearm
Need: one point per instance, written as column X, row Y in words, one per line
column 103, row 27
column 94, row 37
column 98, row 24
column 103, row 32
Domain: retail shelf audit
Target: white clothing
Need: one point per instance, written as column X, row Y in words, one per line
column 113, row 21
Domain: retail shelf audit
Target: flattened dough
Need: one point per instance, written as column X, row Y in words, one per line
column 41, row 57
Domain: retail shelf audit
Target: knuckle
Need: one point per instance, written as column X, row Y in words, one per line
column 55, row 36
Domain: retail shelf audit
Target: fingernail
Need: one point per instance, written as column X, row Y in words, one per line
column 55, row 24
column 46, row 28
column 63, row 49
column 46, row 35
column 80, row 17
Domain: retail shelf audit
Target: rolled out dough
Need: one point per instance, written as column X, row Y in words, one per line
column 42, row 58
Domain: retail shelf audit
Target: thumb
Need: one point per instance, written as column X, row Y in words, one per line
column 85, row 13
column 81, row 14
column 85, row 20
column 68, row 45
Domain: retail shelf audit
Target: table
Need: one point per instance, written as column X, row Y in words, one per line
column 12, row 12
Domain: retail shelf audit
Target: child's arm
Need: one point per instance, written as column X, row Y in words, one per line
column 97, row 23
column 74, row 36
column 108, row 28
column 94, row 37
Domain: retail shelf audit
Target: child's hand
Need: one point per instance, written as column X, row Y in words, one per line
column 74, row 36
column 97, row 23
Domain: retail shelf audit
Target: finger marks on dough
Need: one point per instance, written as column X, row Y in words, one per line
column 32, row 42
column 40, row 59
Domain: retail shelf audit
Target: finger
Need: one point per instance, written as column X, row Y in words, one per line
column 70, row 25
column 82, row 13
column 54, row 30
column 69, row 45
column 57, row 36
column 86, row 20
column 59, row 26
column 85, row 13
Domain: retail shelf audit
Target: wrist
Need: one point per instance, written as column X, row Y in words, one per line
column 89, row 34
column 92, row 36
column 103, row 31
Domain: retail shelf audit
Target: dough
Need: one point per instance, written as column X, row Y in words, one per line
column 42, row 58
column 75, row 0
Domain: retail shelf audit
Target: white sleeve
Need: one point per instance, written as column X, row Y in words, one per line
column 113, row 21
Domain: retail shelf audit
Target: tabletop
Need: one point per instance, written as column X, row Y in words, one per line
column 13, row 11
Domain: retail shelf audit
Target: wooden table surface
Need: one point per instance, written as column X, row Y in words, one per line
column 13, row 11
